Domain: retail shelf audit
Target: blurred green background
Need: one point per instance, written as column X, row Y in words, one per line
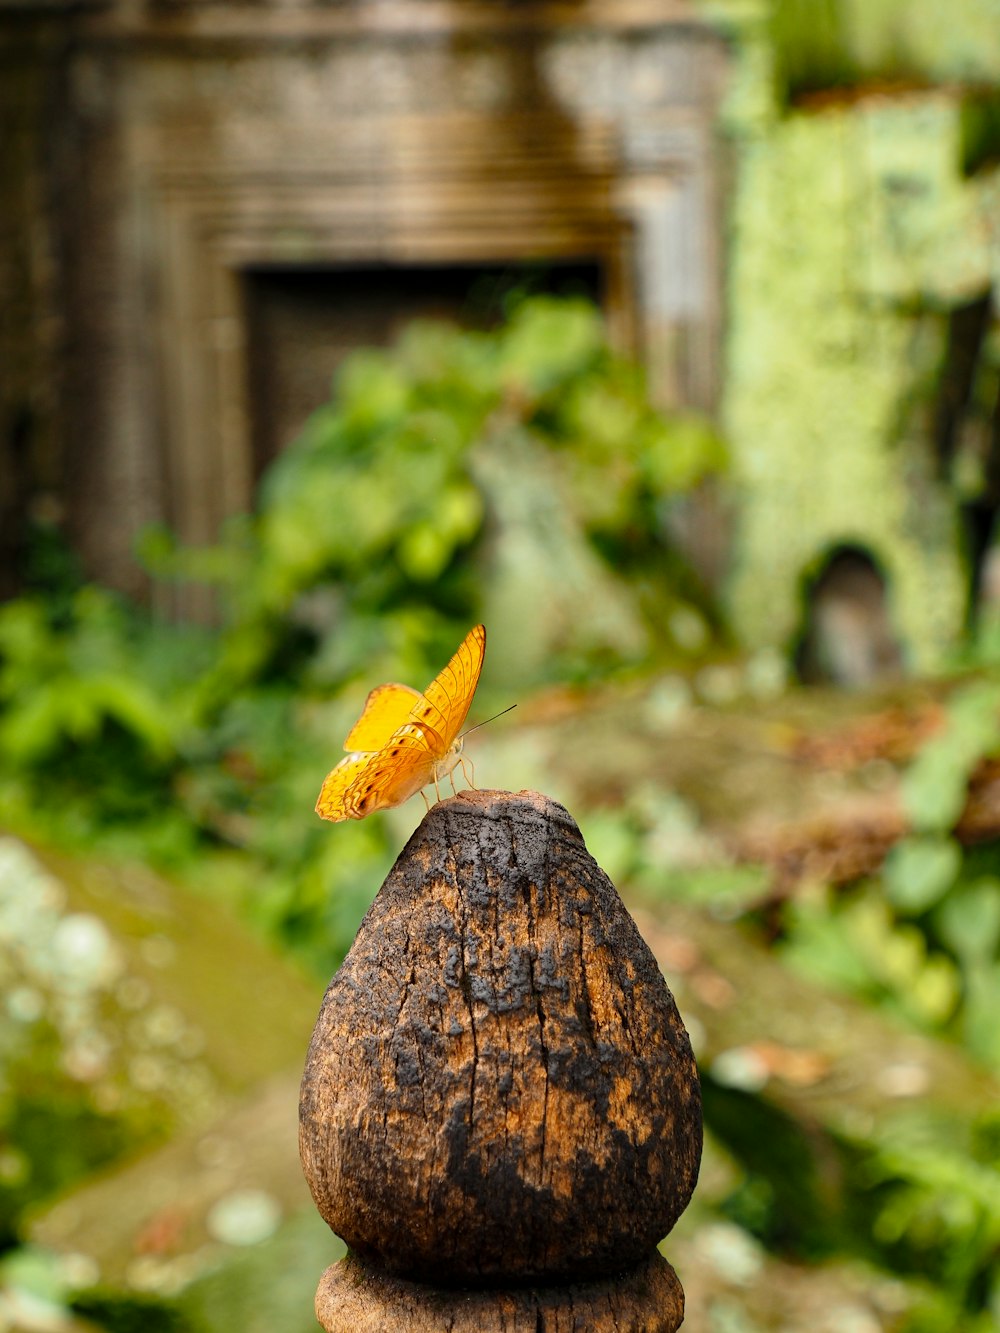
column 753, row 644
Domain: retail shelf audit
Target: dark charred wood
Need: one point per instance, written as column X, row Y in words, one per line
column 500, row 1090
column 354, row 1295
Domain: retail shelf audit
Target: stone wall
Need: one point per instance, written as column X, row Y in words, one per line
column 32, row 327
column 858, row 235
column 195, row 142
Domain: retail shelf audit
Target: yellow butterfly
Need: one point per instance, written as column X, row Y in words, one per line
column 404, row 739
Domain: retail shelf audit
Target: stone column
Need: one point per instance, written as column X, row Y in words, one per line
column 500, row 1111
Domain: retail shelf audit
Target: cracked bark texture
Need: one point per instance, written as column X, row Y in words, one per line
column 357, row 1298
column 499, row 1089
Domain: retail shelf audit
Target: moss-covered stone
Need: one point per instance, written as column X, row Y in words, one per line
column 853, row 229
column 863, row 210
column 823, row 44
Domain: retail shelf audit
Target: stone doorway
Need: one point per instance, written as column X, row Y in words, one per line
column 179, row 163
column 301, row 322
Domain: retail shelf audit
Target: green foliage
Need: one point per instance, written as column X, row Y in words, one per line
column 980, row 131
column 68, row 1102
column 923, row 942
column 95, row 713
column 66, row 684
column 369, row 542
column 115, row 1313
column 913, row 1192
column 858, row 944
column 819, row 45
column 935, row 786
column 921, row 1201
column 811, row 47
column 380, row 536
column 265, row 1289
column 924, row 939
column 53, row 1137
column 930, row 881
column 919, row 872
column 779, row 1198
column 933, row 1190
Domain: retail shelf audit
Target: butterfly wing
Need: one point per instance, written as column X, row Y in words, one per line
column 385, row 711
column 403, row 760
column 334, row 801
column 442, row 708
column 363, row 783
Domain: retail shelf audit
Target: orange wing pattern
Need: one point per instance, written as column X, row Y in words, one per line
column 404, row 740
column 445, row 704
column 386, row 709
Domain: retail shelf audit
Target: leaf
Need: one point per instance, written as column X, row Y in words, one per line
column 549, row 340
column 137, row 709
column 372, row 390
column 981, row 1029
column 936, row 989
column 969, row 920
column 678, row 453
column 423, row 551
column 614, row 843
column 822, row 946
column 919, row 872
column 935, row 786
column 32, row 730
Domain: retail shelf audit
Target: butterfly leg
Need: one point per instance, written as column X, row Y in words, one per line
column 467, row 764
column 426, row 801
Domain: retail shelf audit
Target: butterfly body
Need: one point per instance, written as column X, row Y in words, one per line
column 403, row 739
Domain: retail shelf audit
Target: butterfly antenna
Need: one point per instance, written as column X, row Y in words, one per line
column 490, row 719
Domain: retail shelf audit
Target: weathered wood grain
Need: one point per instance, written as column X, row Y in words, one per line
column 352, row 1295
column 499, row 1086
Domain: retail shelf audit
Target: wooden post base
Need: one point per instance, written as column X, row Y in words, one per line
column 355, row 1296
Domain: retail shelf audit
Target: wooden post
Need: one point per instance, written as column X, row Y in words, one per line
column 500, row 1111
